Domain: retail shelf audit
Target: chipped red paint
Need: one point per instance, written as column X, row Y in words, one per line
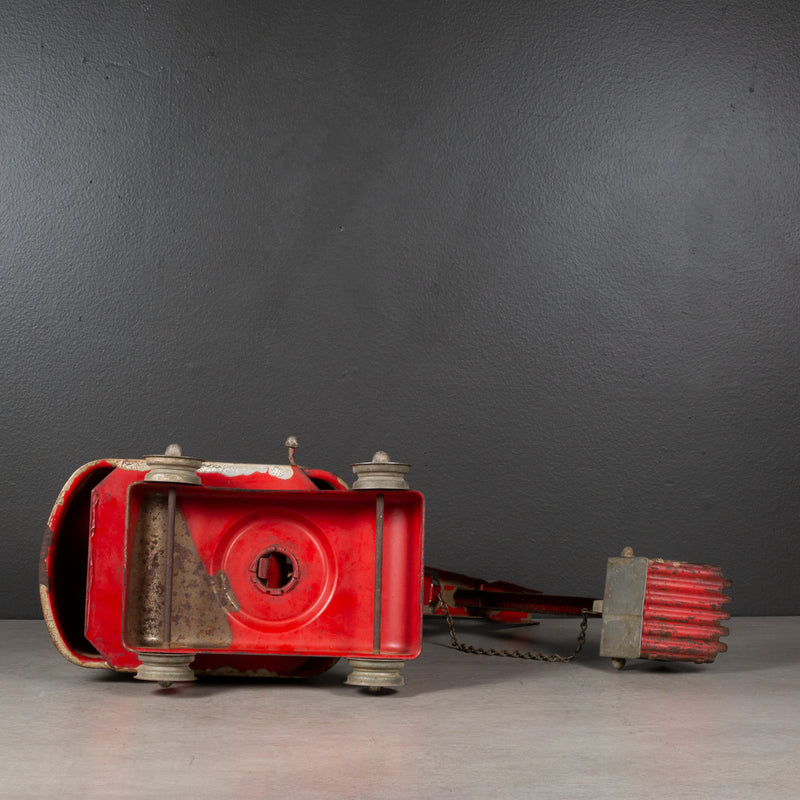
column 684, row 605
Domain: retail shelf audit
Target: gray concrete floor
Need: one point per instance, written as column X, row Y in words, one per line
column 464, row 726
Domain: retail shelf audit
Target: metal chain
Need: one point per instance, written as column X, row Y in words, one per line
column 482, row 651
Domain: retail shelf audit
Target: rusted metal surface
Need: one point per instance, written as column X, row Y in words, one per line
column 169, row 566
column 194, row 618
column 224, row 592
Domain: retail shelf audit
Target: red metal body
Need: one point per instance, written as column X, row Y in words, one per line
column 278, row 570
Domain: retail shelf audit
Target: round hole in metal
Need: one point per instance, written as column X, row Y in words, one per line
column 274, row 572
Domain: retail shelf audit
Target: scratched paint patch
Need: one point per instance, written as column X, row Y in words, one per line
column 282, row 472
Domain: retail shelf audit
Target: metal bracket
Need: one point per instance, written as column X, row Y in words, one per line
column 623, row 607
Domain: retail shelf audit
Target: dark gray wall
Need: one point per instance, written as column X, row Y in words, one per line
column 547, row 252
